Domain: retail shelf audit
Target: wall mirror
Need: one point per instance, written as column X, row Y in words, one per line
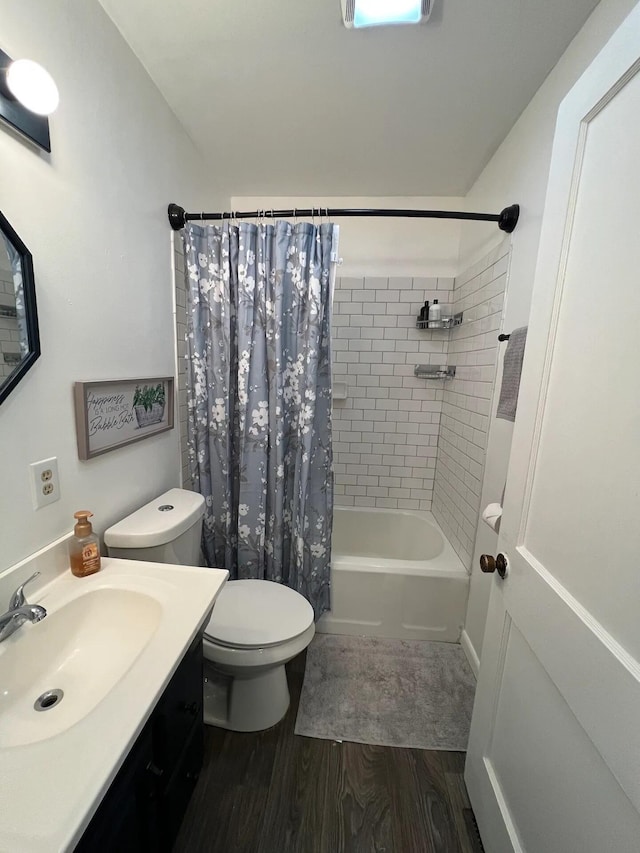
column 19, row 338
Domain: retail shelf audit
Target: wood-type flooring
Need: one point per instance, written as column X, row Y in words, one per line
column 276, row 792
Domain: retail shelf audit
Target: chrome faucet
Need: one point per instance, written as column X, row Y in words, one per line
column 20, row 612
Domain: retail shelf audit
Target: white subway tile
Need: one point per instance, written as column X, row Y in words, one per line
column 385, row 321
column 343, row 283
column 399, row 283
column 387, row 295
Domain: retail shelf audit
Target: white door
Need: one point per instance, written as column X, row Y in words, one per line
column 554, row 755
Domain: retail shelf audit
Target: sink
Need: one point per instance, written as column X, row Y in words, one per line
column 72, row 659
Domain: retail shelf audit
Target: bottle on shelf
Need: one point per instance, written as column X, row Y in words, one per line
column 423, row 316
column 435, row 315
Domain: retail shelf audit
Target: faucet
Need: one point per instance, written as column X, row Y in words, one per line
column 20, row 612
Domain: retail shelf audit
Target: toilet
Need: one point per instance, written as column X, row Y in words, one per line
column 256, row 627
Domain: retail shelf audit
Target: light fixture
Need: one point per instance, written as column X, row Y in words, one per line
column 33, row 86
column 375, row 13
column 28, row 95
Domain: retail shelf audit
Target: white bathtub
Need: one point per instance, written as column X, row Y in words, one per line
column 395, row 575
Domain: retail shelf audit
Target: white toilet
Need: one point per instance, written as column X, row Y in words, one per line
column 256, row 627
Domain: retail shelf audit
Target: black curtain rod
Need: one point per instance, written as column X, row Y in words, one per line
column 507, row 219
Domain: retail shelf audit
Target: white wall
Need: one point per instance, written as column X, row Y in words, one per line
column 385, row 247
column 93, row 215
column 518, row 172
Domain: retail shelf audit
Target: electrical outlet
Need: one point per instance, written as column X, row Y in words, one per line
column 45, row 485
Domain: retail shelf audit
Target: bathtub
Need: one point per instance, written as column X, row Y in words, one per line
column 395, row 575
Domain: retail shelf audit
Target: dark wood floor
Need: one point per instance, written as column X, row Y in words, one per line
column 276, row 792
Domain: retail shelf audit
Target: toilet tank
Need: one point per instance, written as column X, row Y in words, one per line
column 166, row 530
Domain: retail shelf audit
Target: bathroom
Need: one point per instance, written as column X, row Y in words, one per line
column 93, row 215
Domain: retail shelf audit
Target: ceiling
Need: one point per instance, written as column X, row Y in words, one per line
column 281, row 99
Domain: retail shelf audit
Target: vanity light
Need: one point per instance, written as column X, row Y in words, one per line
column 373, row 13
column 33, row 86
column 28, row 95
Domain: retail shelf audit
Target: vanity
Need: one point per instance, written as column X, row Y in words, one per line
column 112, row 763
column 145, row 804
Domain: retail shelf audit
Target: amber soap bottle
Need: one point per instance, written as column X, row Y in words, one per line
column 84, row 547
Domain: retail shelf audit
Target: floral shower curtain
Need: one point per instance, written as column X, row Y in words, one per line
column 259, row 399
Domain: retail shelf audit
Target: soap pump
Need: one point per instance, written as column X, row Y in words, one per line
column 84, row 547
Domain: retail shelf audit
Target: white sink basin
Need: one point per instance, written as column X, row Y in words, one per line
column 111, row 642
column 83, row 649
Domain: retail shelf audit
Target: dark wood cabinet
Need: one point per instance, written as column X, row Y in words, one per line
column 143, row 808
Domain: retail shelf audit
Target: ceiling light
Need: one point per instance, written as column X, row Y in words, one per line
column 375, row 13
column 33, row 86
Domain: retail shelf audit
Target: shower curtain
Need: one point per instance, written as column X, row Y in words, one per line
column 259, row 399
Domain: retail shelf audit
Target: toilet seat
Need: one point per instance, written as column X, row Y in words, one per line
column 253, row 614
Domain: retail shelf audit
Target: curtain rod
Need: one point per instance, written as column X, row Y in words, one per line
column 507, row 219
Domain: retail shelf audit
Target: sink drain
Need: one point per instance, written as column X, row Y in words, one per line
column 48, row 699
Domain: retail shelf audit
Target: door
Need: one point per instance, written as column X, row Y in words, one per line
column 554, row 753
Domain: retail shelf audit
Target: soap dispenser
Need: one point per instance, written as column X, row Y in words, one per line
column 84, row 547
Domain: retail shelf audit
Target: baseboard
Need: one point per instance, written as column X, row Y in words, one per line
column 470, row 652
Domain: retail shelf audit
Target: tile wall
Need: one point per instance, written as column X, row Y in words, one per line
column 385, row 433
column 466, row 402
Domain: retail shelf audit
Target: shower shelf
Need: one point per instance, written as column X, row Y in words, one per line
column 445, row 323
column 434, row 371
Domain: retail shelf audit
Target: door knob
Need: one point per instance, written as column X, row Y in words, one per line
column 488, row 564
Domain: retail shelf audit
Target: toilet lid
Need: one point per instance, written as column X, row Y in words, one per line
column 254, row 613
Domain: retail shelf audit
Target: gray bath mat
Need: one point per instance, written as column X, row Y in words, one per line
column 388, row 692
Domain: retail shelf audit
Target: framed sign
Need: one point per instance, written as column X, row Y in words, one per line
column 116, row 412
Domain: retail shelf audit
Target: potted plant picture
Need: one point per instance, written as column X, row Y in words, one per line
column 148, row 404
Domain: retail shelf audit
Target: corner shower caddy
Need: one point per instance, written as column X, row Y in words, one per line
column 437, row 371
column 446, row 323
column 434, row 371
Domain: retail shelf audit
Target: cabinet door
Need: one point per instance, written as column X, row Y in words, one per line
column 127, row 818
column 180, row 788
column 179, row 709
column 142, row 810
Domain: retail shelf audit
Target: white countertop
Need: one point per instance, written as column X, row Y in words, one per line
column 50, row 789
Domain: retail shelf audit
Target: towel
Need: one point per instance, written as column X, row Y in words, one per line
column 511, row 371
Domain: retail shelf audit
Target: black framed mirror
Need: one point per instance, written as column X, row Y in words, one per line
column 19, row 336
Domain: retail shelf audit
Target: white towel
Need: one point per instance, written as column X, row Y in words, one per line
column 492, row 515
